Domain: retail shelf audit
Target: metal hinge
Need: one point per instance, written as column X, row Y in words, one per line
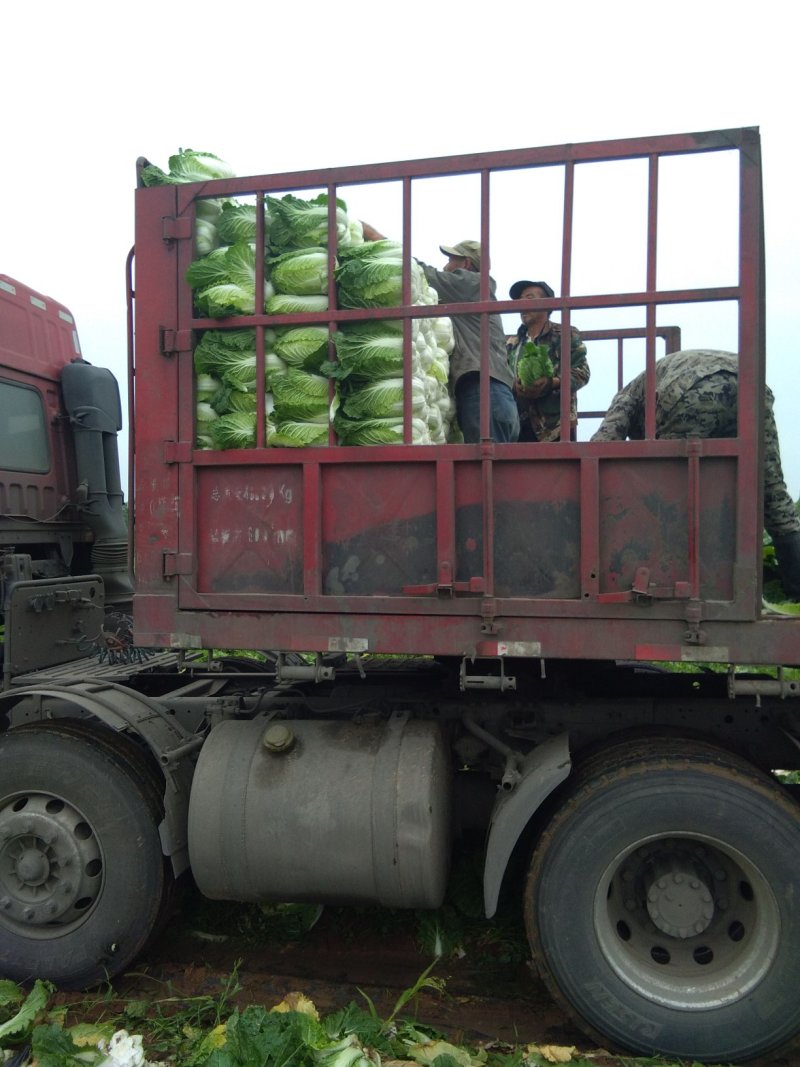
column 173, row 229
column 176, row 563
column 172, row 342
column 178, row 451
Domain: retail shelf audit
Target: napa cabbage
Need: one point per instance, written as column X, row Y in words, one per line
column 369, row 350
column 235, row 430
column 388, row 431
column 275, row 366
column 293, row 303
column 534, row 362
column 229, row 355
column 303, row 272
column 224, row 282
column 237, row 222
column 205, row 412
column 206, row 237
column 296, row 223
column 207, row 386
column 187, row 165
column 381, row 399
column 299, row 395
column 296, row 433
column 302, row 346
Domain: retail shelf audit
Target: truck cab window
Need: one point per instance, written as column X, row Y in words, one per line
column 23, row 430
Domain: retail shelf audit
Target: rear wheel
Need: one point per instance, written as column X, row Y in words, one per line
column 83, row 882
column 663, row 903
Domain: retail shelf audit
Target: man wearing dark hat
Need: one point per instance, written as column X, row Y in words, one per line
column 459, row 282
column 539, row 402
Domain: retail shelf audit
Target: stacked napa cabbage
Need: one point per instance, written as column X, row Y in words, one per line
column 360, row 392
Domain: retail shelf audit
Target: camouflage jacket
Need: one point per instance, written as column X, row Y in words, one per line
column 692, row 397
column 543, row 415
column 697, row 393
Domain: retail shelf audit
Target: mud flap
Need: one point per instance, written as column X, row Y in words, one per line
column 542, row 770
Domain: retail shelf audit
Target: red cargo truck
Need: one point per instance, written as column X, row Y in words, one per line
column 467, row 638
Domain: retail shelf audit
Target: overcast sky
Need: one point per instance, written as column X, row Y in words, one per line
column 273, row 87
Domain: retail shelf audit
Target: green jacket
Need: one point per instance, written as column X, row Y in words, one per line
column 543, row 415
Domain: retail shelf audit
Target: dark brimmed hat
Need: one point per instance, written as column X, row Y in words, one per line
column 518, row 287
column 467, row 249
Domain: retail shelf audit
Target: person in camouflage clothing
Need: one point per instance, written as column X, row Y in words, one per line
column 539, row 403
column 697, row 395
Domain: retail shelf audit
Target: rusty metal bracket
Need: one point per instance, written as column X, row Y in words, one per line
column 474, row 587
column 178, row 451
column 693, row 635
column 643, row 591
column 176, row 563
column 172, row 342
column 176, row 229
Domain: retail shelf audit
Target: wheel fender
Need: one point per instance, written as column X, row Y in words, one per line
column 122, row 708
column 544, row 768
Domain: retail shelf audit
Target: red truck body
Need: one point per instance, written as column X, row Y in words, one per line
column 478, row 550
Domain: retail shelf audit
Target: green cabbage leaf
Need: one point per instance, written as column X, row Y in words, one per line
column 230, row 356
column 534, row 362
column 296, row 433
column 387, row 431
column 381, row 399
column 299, row 395
column 224, row 282
column 293, row 303
column 369, row 350
column 296, row 223
column 187, row 165
column 235, row 430
column 303, row 346
column 303, row 272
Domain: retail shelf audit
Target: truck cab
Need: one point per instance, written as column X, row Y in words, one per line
column 61, row 504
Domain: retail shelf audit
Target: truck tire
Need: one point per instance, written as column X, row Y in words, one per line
column 663, row 903
column 83, row 881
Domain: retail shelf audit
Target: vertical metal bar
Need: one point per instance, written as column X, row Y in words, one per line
column 445, row 521
column 752, row 361
column 261, row 386
column 131, row 296
column 620, row 366
column 407, row 322
column 566, row 290
column 487, row 449
column 487, row 481
column 693, row 516
column 312, row 529
column 650, row 311
column 590, row 526
column 187, row 394
column 485, row 389
column 332, row 326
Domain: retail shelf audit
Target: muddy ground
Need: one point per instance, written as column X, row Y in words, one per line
column 491, row 996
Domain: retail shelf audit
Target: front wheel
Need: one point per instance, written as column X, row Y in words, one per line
column 82, row 877
column 663, row 903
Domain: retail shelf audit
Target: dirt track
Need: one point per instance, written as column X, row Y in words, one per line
column 487, row 998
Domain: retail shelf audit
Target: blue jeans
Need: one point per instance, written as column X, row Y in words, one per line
column 503, row 416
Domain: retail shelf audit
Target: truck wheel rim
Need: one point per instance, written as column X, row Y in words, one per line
column 51, row 865
column 686, row 921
